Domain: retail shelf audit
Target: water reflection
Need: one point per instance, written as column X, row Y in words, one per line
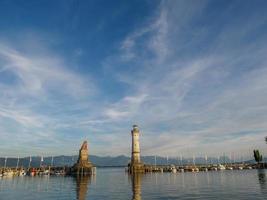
column 262, row 179
column 136, row 185
column 82, row 183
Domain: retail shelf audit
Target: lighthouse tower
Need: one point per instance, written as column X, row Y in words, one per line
column 136, row 165
column 135, row 145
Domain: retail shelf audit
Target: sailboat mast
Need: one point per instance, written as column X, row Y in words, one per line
column 30, row 160
column 17, row 163
column 42, row 159
column 5, row 162
column 52, row 161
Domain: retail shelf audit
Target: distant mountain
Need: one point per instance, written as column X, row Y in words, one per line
column 110, row 161
column 65, row 161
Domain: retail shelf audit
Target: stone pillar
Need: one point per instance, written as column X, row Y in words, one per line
column 83, row 165
column 135, row 145
column 83, row 153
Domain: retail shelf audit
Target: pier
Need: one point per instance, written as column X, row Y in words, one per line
column 137, row 166
column 198, row 168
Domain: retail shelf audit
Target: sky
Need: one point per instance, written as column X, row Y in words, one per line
column 191, row 74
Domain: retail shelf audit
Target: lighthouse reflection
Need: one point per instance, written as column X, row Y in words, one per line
column 82, row 183
column 136, row 179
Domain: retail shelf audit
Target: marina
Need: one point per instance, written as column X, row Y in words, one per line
column 66, row 171
column 115, row 184
column 84, row 167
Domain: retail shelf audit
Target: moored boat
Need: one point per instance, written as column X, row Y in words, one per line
column 174, row 170
column 221, row 167
column 8, row 173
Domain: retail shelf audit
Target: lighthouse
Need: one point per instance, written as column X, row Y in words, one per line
column 136, row 165
column 135, row 145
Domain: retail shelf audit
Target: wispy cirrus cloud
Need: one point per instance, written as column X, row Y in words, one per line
column 125, row 107
column 37, row 91
column 192, row 75
column 39, row 74
column 215, row 92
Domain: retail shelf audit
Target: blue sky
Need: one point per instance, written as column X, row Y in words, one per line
column 191, row 74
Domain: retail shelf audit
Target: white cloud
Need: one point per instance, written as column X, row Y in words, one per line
column 23, row 118
column 125, row 108
column 38, row 74
column 217, row 93
column 191, row 88
column 37, row 96
column 113, row 114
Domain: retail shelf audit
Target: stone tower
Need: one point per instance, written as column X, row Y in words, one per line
column 135, row 145
column 83, row 165
column 83, row 153
column 136, row 165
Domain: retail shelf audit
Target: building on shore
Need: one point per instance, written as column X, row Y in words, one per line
column 136, row 165
column 83, row 165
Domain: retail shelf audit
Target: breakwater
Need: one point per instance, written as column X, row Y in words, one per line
column 64, row 171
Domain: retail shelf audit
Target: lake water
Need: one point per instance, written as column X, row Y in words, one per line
column 114, row 183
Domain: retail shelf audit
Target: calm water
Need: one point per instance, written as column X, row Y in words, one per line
column 115, row 184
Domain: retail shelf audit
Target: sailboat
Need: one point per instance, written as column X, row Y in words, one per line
column 8, row 173
column 195, row 169
column 242, row 164
column 206, row 162
column 181, row 163
column 22, row 172
column 221, row 167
